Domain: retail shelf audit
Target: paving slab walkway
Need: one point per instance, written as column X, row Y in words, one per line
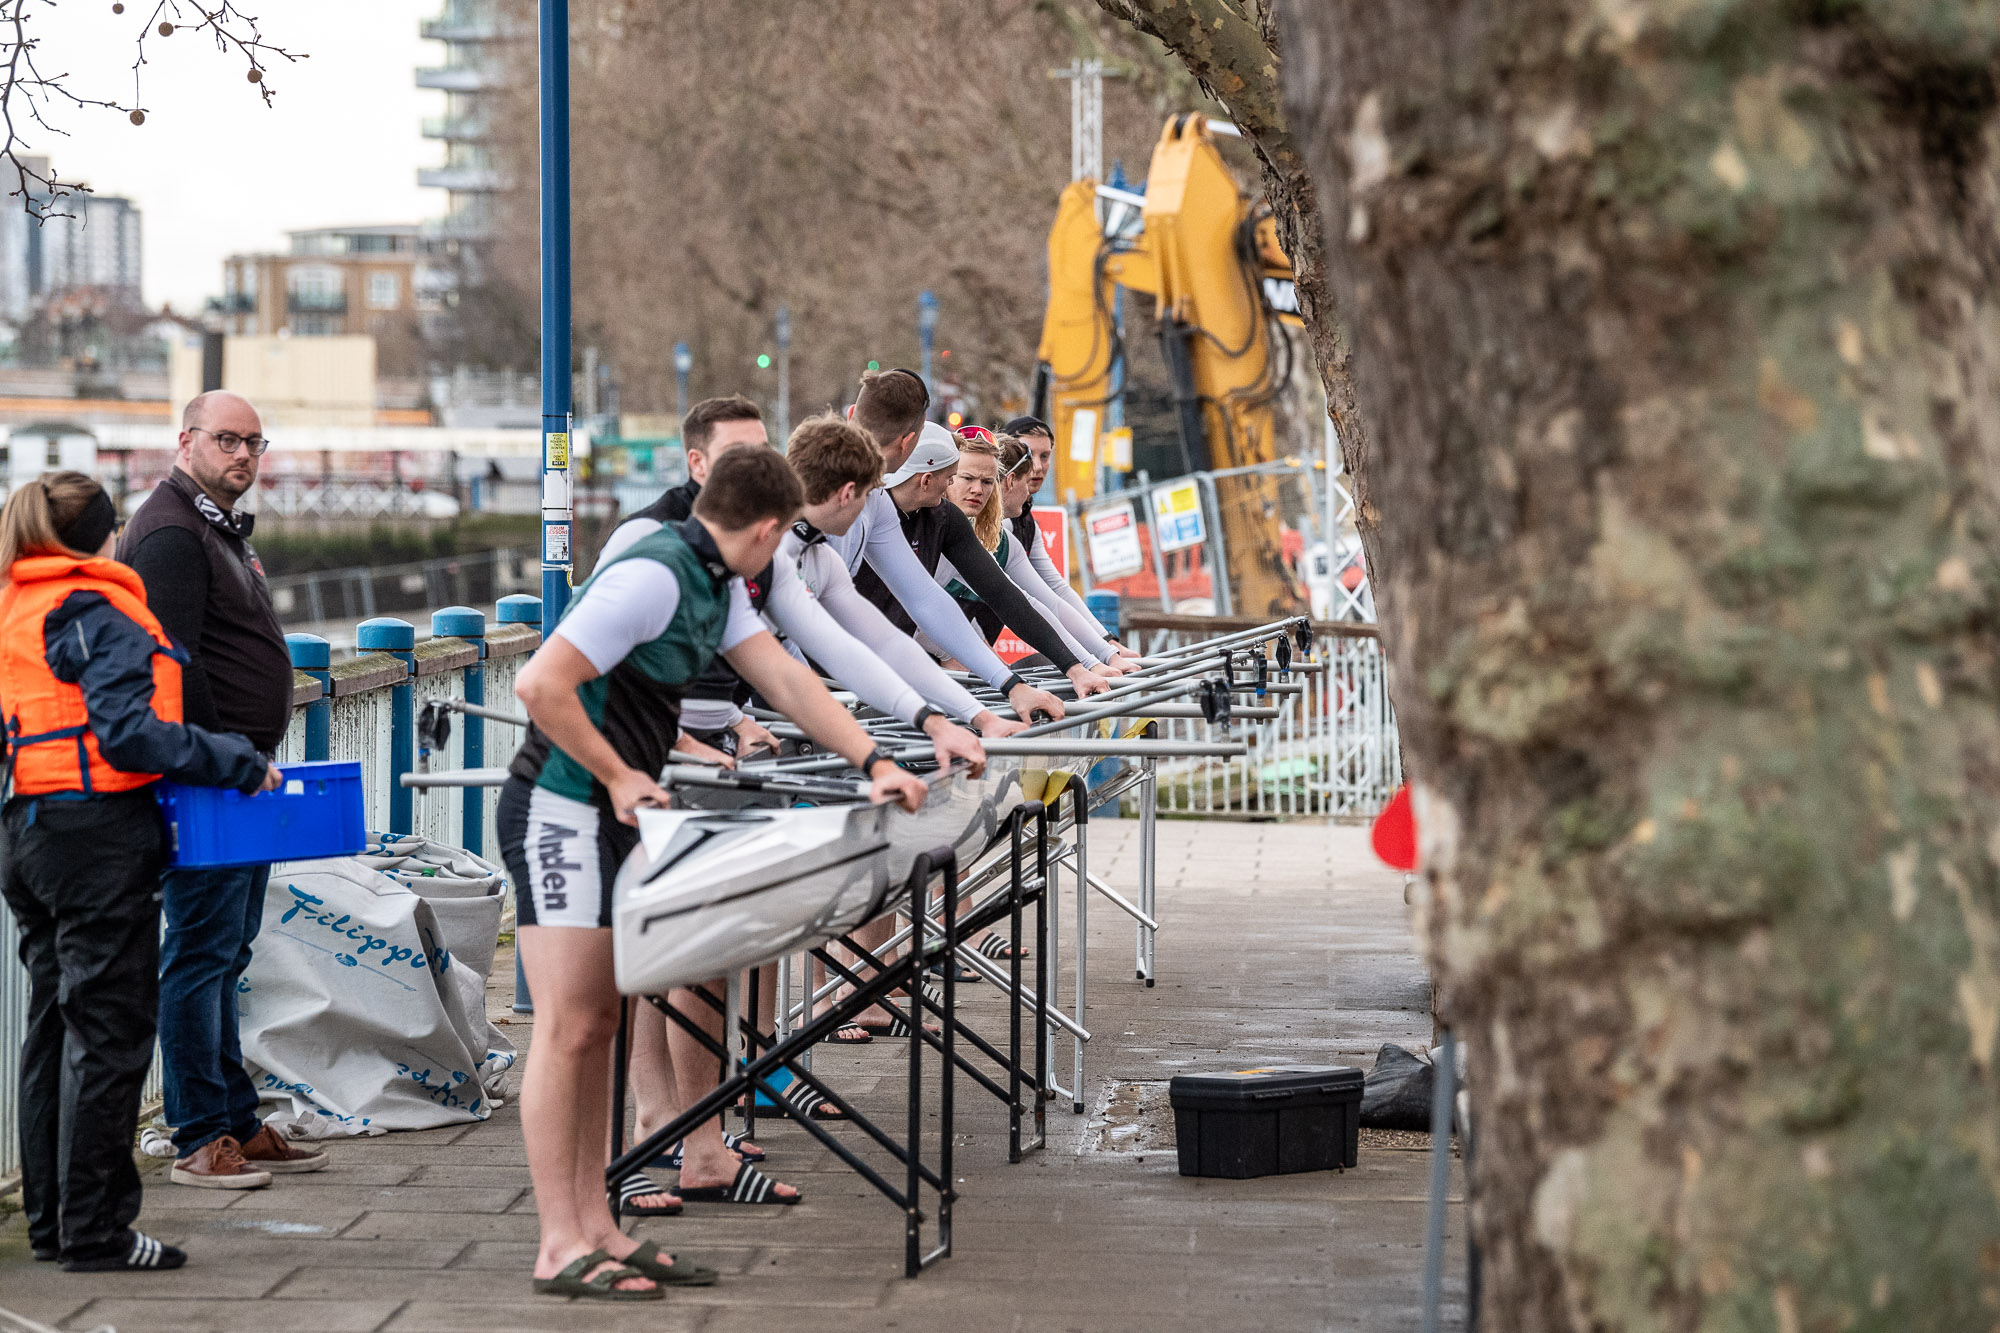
column 1281, row 943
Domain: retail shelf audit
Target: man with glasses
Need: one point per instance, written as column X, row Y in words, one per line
column 191, row 547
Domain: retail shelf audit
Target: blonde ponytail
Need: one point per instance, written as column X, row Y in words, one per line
column 37, row 510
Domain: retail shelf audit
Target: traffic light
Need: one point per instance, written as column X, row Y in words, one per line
column 874, row 365
column 763, row 360
column 954, row 419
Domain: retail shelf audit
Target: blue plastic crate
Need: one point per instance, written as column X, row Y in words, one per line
column 317, row 812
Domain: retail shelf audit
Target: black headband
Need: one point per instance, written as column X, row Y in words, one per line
column 87, row 531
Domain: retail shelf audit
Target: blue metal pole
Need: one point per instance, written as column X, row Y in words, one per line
column 314, row 655
column 463, row 622
column 397, row 638
column 557, row 515
column 520, row 609
column 927, row 317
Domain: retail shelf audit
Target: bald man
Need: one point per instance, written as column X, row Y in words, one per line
column 191, row 546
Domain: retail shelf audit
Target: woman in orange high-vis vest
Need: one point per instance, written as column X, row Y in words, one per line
column 91, row 704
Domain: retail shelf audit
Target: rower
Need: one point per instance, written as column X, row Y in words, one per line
column 603, row 697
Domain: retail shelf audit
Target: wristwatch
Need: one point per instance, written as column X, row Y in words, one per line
column 925, row 714
column 1007, row 685
column 875, row 756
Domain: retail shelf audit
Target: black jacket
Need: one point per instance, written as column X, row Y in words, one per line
column 205, row 583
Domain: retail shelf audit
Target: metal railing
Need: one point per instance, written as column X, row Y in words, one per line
column 363, row 709
column 361, row 592
column 1332, row 755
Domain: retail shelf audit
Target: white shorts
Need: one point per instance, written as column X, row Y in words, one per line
column 563, row 856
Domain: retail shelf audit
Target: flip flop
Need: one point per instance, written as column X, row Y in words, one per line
column 749, row 1186
column 671, row 1270
column 570, row 1282
column 638, row 1186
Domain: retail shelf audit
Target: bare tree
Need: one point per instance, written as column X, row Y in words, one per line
column 835, row 156
column 31, row 99
column 1675, row 329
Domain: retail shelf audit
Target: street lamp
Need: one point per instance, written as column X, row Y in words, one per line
column 927, row 311
column 784, row 374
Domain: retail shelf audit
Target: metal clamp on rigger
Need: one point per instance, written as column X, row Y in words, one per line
column 1215, row 699
column 1302, row 636
column 433, row 731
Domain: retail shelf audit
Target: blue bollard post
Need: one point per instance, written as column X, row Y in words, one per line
column 314, row 656
column 463, row 622
column 520, row 609
column 398, row 638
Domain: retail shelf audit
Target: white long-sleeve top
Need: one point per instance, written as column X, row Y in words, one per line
column 818, row 568
column 877, row 537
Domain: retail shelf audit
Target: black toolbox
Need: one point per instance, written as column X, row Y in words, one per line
column 1267, row 1122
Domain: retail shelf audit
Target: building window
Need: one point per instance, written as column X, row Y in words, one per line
column 383, row 291
column 315, row 289
column 54, row 453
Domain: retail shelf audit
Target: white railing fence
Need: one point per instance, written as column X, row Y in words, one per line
column 1330, row 753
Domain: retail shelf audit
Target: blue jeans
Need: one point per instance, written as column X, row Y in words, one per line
column 212, row 916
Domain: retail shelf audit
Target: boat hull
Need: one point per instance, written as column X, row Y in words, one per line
column 709, row 891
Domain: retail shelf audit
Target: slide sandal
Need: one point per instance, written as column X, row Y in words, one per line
column 750, row 1186
column 672, row 1270
column 638, row 1186
column 570, row 1282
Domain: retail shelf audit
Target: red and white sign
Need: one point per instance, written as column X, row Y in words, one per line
column 1054, row 526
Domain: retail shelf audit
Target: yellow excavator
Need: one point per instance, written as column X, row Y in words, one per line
column 1223, row 295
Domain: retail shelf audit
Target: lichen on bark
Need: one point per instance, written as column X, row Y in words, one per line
column 1675, row 328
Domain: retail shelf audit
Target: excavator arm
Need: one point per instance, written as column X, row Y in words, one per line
column 1222, row 291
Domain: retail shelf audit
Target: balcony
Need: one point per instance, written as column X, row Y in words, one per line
column 461, row 179
column 470, row 21
column 459, row 78
column 316, row 303
column 457, row 127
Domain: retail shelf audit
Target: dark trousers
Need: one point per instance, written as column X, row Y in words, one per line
column 212, row 917
column 83, row 880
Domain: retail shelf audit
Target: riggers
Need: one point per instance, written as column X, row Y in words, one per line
column 51, row 745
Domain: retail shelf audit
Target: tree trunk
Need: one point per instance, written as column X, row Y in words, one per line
column 1232, row 53
column 1675, row 327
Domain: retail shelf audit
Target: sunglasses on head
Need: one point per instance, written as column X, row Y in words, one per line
column 975, row 433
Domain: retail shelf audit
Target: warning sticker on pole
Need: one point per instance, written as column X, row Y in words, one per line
column 1114, row 542
column 555, row 543
column 557, row 450
column 1177, row 516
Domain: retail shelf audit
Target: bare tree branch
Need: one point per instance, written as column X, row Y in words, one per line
column 28, row 96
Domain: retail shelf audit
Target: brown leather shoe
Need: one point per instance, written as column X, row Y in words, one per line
column 267, row 1150
column 219, row 1165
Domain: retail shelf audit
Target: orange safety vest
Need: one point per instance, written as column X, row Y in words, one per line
column 50, row 745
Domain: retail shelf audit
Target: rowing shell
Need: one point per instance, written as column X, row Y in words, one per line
column 710, row 891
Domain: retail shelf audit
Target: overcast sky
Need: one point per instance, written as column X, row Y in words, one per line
column 214, row 170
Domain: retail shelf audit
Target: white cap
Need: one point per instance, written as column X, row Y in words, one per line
column 934, row 450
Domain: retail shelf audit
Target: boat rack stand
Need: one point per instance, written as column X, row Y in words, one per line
column 1026, row 829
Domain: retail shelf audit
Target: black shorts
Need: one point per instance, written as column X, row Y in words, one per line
column 562, row 855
